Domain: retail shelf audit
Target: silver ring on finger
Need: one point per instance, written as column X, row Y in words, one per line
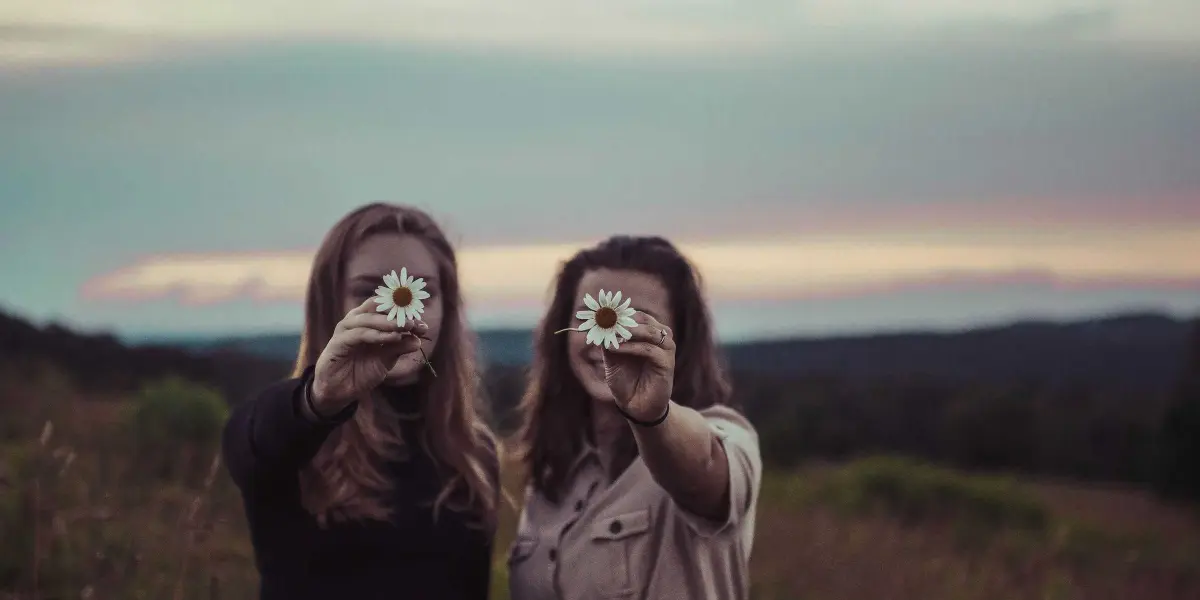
column 662, row 336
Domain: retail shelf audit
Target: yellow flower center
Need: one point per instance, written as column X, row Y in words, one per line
column 606, row 317
column 402, row 296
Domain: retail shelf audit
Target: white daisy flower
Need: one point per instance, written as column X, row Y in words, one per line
column 401, row 295
column 607, row 320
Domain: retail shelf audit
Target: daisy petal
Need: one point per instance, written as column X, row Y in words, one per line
column 416, row 285
column 384, row 307
column 392, row 313
column 625, row 305
column 403, row 275
column 383, row 291
column 391, row 280
column 595, row 335
column 382, row 299
column 610, row 340
column 626, row 321
column 617, row 298
column 417, row 304
column 585, row 314
column 419, row 295
column 591, row 302
column 588, row 324
column 621, row 331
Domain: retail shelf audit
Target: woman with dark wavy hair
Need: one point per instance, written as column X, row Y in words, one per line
column 643, row 480
column 368, row 474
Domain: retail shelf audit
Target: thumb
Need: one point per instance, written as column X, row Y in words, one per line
column 407, row 345
column 611, row 375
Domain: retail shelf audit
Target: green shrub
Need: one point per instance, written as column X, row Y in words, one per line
column 917, row 493
column 175, row 428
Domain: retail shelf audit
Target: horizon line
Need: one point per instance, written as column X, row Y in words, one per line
column 144, row 339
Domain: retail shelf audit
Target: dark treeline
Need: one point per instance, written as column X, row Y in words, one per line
column 102, row 364
column 1069, row 431
column 1048, row 426
column 1040, row 426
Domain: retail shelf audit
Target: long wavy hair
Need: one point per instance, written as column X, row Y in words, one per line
column 556, row 411
column 347, row 479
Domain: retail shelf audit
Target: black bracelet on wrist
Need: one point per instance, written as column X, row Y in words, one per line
column 641, row 423
column 308, row 401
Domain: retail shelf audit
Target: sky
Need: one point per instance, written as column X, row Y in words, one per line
column 831, row 166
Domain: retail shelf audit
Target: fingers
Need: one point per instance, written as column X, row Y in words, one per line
column 361, row 336
column 662, row 356
column 651, row 331
column 366, row 315
column 392, row 343
column 407, row 345
column 368, row 306
column 380, row 322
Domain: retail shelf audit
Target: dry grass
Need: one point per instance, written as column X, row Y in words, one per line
column 806, row 548
column 79, row 521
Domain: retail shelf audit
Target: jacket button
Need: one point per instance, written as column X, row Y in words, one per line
column 615, row 527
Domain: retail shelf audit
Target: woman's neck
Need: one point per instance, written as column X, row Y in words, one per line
column 404, row 399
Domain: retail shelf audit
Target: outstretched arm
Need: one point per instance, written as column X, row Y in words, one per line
column 274, row 434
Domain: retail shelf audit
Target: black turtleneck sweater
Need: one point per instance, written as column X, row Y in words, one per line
column 268, row 440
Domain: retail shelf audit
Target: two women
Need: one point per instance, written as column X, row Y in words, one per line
column 368, row 476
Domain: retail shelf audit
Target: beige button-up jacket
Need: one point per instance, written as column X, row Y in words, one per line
column 628, row 539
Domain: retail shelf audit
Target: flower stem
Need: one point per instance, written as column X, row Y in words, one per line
column 427, row 363
column 567, row 329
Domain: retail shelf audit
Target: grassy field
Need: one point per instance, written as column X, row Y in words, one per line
column 91, row 508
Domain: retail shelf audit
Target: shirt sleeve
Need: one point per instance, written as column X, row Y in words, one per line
column 269, row 436
column 739, row 439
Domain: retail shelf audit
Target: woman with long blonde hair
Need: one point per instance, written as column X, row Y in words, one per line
column 369, row 473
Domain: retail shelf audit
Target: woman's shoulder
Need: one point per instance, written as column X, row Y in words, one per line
column 723, row 416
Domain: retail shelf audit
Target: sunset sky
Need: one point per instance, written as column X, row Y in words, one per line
column 168, row 166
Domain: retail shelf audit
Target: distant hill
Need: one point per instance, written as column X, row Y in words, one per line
column 1131, row 352
column 103, row 364
column 499, row 347
column 1082, row 399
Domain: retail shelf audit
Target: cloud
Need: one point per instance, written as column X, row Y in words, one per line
column 802, row 269
column 615, row 26
column 524, row 25
column 952, row 282
column 41, row 44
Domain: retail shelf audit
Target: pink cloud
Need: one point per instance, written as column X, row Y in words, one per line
column 990, row 213
column 804, row 268
column 954, row 281
column 202, row 279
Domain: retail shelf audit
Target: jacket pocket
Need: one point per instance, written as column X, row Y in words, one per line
column 623, row 544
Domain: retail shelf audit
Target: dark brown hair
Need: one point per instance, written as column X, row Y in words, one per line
column 347, row 478
column 557, row 412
